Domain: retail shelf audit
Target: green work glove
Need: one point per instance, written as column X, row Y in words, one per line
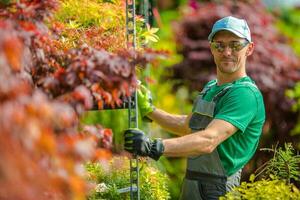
column 145, row 102
column 138, row 143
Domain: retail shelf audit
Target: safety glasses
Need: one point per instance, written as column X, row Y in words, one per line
column 235, row 46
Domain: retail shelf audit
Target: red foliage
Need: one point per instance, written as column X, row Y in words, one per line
column 42, row 90
column 83, row 76
column 28, row 10
column 36, row 161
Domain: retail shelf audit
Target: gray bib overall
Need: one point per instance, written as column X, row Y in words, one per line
column 205, row 177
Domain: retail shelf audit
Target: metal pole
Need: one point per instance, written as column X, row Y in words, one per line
column 133, row 104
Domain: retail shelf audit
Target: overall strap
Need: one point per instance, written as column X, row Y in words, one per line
column 203, row 93
column 207, row 88
column 221, row 93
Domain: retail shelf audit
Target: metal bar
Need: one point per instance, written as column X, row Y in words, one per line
column 127, row 189
column 132, row 101
column 134, row 163
column 130, row 24
column 144, row 10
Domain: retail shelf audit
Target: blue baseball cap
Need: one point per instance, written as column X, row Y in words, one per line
column 237, row 26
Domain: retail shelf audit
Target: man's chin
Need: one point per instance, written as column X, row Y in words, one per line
column 227, row 69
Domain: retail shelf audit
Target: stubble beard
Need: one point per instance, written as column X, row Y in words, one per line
column 226, row 69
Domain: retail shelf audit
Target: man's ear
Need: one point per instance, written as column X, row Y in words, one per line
column 210, row 48
column 250, row 49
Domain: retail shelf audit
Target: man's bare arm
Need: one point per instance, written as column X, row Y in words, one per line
column 177, row 124
column 201, row 142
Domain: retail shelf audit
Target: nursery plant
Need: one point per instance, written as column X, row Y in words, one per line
column 273, row 180
column 110, row 180
column 45, row 87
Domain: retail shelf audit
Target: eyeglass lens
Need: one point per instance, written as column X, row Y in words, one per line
column 233, row 45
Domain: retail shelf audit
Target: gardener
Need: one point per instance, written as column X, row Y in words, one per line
column 222, row 133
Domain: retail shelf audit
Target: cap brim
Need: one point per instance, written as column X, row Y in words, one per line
column 212, row 34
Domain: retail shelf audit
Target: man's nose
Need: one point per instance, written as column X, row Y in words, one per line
column 227, row 51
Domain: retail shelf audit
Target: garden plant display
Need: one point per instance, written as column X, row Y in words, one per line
column 60, row 58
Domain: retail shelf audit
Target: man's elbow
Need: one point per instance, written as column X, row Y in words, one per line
column 208, row 147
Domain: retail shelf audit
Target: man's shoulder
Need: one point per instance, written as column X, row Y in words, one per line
column 246, row 85
column 244, row 93
column 211, row 83
column 208, row 86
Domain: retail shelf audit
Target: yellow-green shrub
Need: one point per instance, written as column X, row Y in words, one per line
column 100, row 24
column 153, row 183
column 264, row 190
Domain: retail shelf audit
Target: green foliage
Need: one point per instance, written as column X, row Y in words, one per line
column 284, row 165
column 288, row 24
column 5, row 2
column 264, row 190
column 175, row 168
column 112, row 119
column 150, row 35
column 101, row 24
column 84, row 14
column 165, row 97
column 145, row 34
column 294, row 95
column 153, row 184
column 276, row 173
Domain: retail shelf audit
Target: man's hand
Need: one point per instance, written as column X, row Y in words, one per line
column 145, row 102
column 138, row 143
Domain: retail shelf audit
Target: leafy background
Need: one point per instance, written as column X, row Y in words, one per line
column 71, row 58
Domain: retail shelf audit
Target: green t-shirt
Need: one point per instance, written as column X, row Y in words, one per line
column 243, row 107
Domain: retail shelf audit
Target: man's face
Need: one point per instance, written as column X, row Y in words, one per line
column 230, row 52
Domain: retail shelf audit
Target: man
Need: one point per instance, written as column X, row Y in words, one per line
column 222, row 133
